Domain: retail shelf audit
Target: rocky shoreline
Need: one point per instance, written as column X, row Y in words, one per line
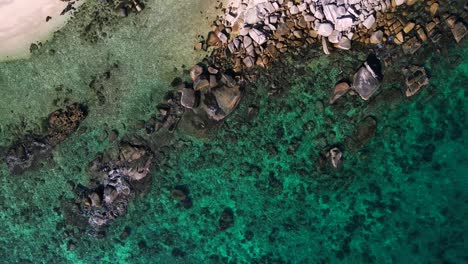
column 256, row 32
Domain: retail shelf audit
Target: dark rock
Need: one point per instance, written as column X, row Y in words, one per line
column 226, row 220
column 178, row 253
column 211, row 104
column 411, row 46
column 68, row 8
column 181, row 194
column 252, row 113
column 364, row 132
column 122, row 11
column 25, row 153
column 176, row 82
column 125, row 233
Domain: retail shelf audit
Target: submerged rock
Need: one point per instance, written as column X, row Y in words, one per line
column 226, row 220
column 30, row 149
column 335, row 156
column 365, row 130
column 61, row 123
column 181, row 194
column 23, row 154
column 115, row 176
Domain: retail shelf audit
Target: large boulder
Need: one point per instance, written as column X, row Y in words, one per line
column 367, row 78
column 188, row 98
column 221, row 101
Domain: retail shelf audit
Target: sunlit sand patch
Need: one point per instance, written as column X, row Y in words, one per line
column 24, row 22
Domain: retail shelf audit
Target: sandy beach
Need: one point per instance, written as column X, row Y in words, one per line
column 24, row 22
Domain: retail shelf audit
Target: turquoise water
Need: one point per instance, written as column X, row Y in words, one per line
column 399, row 197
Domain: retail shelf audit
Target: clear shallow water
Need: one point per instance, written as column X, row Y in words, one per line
column 401, row 198
column 132, row 61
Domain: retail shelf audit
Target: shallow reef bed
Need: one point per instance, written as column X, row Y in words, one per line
column 260, row 191
column 257, row 187
column 117, row 66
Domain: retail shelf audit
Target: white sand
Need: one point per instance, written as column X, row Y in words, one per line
column 23, row 22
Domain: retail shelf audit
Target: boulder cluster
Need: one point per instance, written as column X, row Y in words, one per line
column 255, row 32
column 212, row 92
column 366, row 80
column 258, row 30
column 114, row 175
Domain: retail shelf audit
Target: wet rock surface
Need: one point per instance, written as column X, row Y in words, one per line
column 115, row 175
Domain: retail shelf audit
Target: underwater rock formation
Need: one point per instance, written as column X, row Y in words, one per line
column 226, row 220
column 62, row 122
column 181, row 194
column 365, row 130
column 26, row 152
column 113, row 184
column 218, row 91
column 32, row 148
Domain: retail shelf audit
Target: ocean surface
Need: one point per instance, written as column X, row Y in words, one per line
column 400, row 195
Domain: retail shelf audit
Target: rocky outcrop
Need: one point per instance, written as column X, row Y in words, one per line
column 61, row 123
column 218, row 97
column 113, row 180
column 25, row 153
column 29, row 150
